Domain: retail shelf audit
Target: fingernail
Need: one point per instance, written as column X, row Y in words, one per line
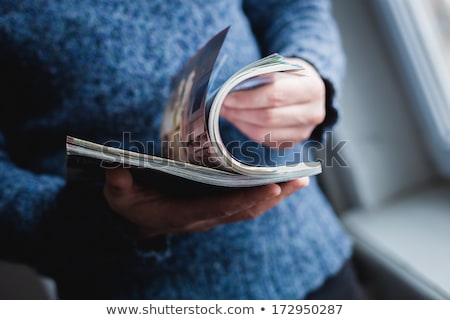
column 303, row 182
column 229, row 101
column 274, row 192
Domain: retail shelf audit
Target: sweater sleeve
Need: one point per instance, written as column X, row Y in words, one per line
column 41, row 210
column 305, row 29
column 25, row 197
column 43, row 217
column 47, row 219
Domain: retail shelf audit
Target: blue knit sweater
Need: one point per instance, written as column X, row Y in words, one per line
column 96, row 69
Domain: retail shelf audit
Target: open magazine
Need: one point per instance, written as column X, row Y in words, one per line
column 190, row 124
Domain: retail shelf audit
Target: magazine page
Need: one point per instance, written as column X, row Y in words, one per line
column 110, row 157
column 184, row 131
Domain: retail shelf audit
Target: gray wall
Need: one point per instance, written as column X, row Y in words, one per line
column 391, row 198
column 385, row 148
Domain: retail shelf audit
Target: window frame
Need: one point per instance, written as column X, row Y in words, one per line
column 416, row 48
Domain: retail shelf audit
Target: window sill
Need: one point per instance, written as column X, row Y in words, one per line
column 405, row 244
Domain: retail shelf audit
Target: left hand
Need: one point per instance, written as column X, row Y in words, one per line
column 281, row 113
column 154, row 212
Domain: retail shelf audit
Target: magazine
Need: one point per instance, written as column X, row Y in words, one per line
column 190, row 123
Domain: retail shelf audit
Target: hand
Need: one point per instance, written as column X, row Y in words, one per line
column 281, row 113
column 155, row 213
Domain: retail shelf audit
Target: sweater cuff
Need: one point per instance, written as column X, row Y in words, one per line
column 331, row 107
column 155, row 248
column 331, row 113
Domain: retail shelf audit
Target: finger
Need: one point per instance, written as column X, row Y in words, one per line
column 196, row 221
column 260, row 208
column 222, row 205
column 287, row 188
column 287, row 89
column 118, row 180
column 200, row 214
column 285, row 116
column 158, row 212
column 274, row 137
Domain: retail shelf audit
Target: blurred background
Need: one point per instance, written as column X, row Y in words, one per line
column 394, row 194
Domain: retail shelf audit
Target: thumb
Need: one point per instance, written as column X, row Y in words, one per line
column 118, row 179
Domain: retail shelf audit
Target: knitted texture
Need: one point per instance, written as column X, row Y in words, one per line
column 101, row 68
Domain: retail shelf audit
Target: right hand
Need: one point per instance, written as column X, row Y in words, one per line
column 155, row 213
